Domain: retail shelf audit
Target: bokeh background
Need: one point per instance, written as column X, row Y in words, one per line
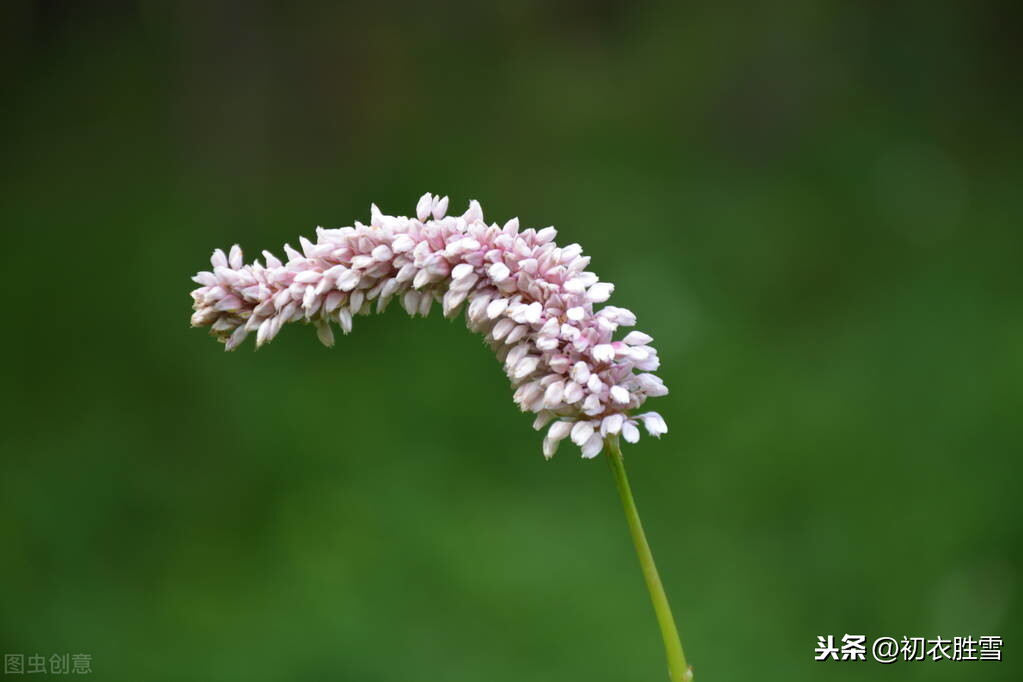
column 813, row 207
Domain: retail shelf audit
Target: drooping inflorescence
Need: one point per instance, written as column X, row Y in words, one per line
column 533, row 301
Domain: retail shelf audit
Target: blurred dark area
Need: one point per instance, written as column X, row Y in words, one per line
column 814, row 208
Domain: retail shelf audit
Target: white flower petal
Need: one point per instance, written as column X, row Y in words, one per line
column 637, row 338
column 498, row 272
column 526, row 366
column 542, row 419
column 629, row 432
column 402, row 243
column 573, row 392
column 520, row 332
column 440, row 207
column 550, row 447
column 474, row 214
column 620, row 394
column 559, row 430
column 592, row 447
column 654, row 424
column 496, row 307
column 581, row 372
column 461, row 270
column 502, row 328
column 600, row 292
column 581, row 432
column 592, row 405
column 533, row 312
column 603, row 352
column 612, row 424
column 424, row 206
column 555, row 392
column 348, row 280
column 324, row 334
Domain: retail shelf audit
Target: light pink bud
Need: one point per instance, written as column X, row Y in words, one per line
column 592, row 447
column 592, row 405
column 496, row 307
column 546, row 235
column 498, row 272
column 620, row 394
column 402, row 243
column 600, row 292
column 581, row 372
column 604, row 352
column 424, row 206
column 348, row 280
column 440, row 208
column 581, row 432
column 345, row 320
column 461, row 271
column 526, row 366
column 637, row 338
column 552, row 397
column 474, row 214
column 654, row 424
column 542, row 419
column 324, row 334
column 502, row 328
column 629, row 431
column 517, row 334
column 575, row 286
column 612, row 424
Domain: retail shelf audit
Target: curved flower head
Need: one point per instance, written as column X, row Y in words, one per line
column 535, row 302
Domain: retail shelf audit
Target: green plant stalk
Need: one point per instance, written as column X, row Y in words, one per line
column 678, row 670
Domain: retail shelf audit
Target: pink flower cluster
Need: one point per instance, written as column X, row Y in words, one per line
column 532, row 300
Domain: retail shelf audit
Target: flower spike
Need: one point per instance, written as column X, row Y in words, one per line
column 532, row 300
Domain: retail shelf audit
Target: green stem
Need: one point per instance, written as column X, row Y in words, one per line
column 677, row 669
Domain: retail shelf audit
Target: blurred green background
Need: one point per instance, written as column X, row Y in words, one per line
column 813, row 207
